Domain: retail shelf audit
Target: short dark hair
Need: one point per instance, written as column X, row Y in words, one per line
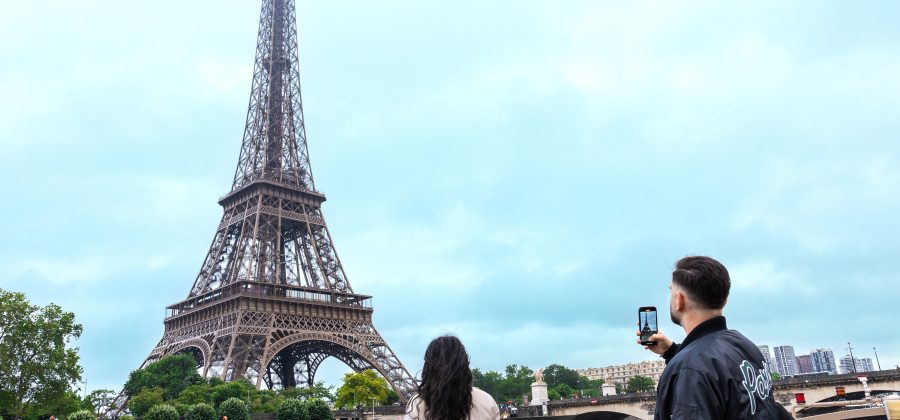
column 704, row 279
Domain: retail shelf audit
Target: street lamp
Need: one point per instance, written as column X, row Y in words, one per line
column 373, row 407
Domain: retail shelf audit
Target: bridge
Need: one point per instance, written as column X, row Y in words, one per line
column 819, row 388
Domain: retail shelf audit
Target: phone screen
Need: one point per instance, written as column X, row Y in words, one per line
column 647, row 322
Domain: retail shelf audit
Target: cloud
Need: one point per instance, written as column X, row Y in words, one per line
column 764, row 275
column 83, row 271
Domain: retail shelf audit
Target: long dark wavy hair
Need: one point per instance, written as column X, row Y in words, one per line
column 446, row 384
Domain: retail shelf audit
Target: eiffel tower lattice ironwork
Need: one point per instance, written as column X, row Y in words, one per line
column 272, row 301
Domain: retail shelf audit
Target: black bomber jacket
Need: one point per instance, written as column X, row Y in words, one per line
column 716, row 373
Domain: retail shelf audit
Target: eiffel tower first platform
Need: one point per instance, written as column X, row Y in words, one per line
column 272, row 301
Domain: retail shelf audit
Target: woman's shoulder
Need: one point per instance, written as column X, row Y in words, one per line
column 480, row 396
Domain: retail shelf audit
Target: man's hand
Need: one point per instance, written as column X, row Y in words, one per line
column 662, row 342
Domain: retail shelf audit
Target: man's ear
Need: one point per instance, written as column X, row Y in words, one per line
column 680, row 301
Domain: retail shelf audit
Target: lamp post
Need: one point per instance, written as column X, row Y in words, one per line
column 876, row 358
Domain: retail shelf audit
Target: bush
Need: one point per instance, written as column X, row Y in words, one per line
column 162, row 412
column 318, row 410
column 126, row 417
column 291, row 409
column 234, row 409
column 200, row 411
column 82, row 415
column 140, row 404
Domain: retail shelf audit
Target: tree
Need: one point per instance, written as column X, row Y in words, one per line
column 553, row 395
column 487, row 381
column 171, row 373
column 234, row 409
column 265, row 401
column 319, row 390
column 775, row 376
column 292, row 409
column 516, row 383
column 162, row 412
column 99, row 401
column 318, row 410
column 195, row 394
column 240, row 389
column 36, row 364
column 361, row 388
column 200, row 411
column 591, row 387
column 82, row 415
column 564, row 391
column 640, row 383
column 558, row 374
column 144, row 400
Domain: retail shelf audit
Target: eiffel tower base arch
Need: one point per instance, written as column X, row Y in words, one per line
column 281, row 350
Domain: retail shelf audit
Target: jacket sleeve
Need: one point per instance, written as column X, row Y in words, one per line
column 671, row 352
column 695, row 396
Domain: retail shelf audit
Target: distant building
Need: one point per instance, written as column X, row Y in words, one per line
column 866, row 365
column 862, row 365
column 804, row 364
column 767, row 357
column 785, row 361
column 620, row 374
column 823, row 361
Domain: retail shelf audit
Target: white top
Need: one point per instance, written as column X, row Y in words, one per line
column 483, row 407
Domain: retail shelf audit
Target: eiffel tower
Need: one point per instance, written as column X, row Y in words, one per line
column 272, row 301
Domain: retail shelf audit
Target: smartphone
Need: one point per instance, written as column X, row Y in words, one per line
column 647, row 322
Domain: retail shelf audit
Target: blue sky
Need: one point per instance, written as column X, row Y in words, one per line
column 522, row 174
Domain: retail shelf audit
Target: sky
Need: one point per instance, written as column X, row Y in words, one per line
column 521, row 174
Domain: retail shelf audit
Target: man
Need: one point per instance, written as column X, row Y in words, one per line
column 715, row 373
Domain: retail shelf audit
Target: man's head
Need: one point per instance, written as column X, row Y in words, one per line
column 699, row 285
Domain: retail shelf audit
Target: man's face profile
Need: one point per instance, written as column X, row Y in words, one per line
column 676, row 316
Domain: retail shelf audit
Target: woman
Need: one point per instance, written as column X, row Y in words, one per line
column 446, row 391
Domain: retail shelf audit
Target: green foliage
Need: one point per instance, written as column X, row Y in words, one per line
column 564, row 390
column 126, row 417
column 36, row 365
column 83, row 415
column 141, row 403
column 292, row 409
column 361, row 388
column 65, row 404
column 265, row 401
column 487, row 381
column 241, row 389
column 319, row 390
column 557, row 374
column 775, row 376
column 171, row 373
column 392, row 397
column 318, row 409
column 162, row 412
column 200, row 411
column 234, row 409
column 553, row 394
column 640, row 383
column 516, row 381
column 509, row 387
column 195, row 394
column 99, row 401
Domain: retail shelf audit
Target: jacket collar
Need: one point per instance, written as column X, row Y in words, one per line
column 705, row 328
